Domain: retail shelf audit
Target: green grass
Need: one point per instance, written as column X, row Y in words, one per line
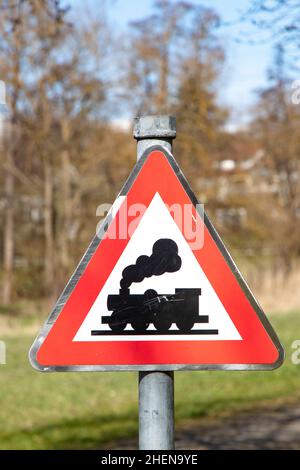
column 71, row 411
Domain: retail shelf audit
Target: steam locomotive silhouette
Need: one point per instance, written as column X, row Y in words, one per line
column 162, row 310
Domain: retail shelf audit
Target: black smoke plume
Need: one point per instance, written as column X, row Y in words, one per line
column 164, row 259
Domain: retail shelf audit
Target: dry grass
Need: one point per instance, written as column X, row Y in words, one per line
column 277, row 292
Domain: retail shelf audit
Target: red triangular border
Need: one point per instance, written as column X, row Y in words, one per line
column 259, row 347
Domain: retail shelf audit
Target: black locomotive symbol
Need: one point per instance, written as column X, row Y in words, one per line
column 161, row 310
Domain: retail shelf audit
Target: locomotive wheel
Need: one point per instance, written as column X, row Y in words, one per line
column 139, row 324
column 185, row 324
column 120, row 326
column 162, row 323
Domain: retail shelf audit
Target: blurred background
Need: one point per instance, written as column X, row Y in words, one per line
column 73, row 75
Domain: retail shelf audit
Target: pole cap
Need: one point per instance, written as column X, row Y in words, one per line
column 154, row 127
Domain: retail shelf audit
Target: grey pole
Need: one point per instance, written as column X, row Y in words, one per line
column 156, row 410
column 156, row 389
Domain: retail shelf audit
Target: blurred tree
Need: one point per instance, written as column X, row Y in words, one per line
column 176, row 59
column 152, row 50
column 47, row 30
column 57, row 98
column 277, row 129
column 12, row 44
column 200, row 119
column 277, row 20
column 66, row 95
column 16, row 40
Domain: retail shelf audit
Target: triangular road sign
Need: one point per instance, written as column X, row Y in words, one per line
column 156, row 289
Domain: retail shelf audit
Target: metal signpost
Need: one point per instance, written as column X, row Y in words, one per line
column 156, row 293
column 156, row 389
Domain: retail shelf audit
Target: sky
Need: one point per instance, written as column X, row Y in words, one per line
column 246, row 65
